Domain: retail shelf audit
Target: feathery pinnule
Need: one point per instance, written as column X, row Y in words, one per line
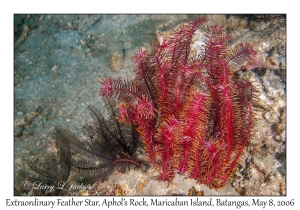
column 193, row 114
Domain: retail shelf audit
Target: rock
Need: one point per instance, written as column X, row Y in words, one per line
column 18, row 130
column 28, row 119
column 20, row 122
column 27, row 131
column 117, row 61
column 270, row 117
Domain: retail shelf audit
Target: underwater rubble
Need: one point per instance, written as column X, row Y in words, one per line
column 59, row 59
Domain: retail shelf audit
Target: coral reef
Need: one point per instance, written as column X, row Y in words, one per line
column 263, row 171
column 111, row 146
column 194, row 114
column 55, row 72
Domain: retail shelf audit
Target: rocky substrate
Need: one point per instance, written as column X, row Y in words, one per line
column 59, row 58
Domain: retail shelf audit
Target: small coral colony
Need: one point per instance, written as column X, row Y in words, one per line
column 193, row 115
